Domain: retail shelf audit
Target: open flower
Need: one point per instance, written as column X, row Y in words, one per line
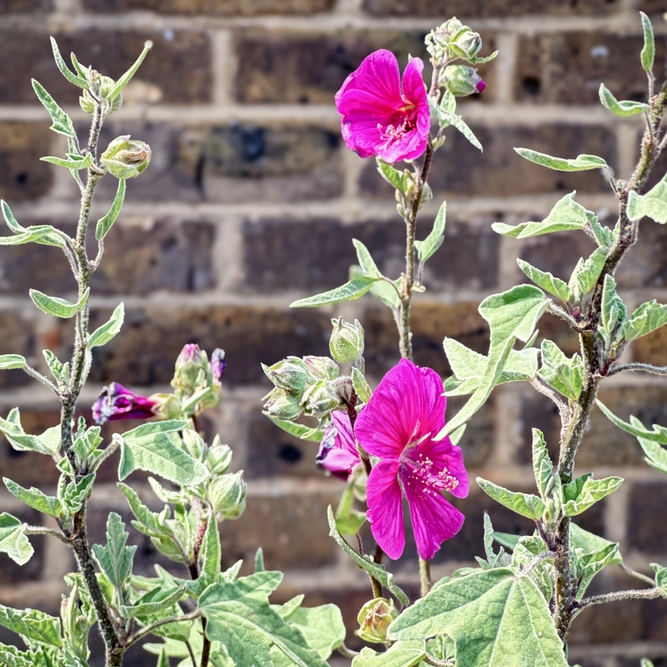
column 117, row 402
column 398, row 425
column 381, row 118
column 338, row 452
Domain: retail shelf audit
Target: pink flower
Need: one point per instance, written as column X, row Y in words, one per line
column 116, row 402
column 380, row 118
column 398, row 425
column 338, row 452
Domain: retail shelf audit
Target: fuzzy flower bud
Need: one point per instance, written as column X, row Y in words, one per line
column 462, row 80
column 218, row 457
column 290, row 374
column 87, row 102
column 126, row 158
column 453, row 40
column 227, row 494
column 320, row 399
column 374, row 618
column 347, row 341
column 322, row 368
column 281, row 405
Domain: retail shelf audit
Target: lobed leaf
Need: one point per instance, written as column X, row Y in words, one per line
column 13, row 540
column 65, row 71
column 653, row 204
column 75, row 162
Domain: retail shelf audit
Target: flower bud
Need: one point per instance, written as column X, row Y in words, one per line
column 466, row 45
column 320, row 399
column 227, row 494
column 125, row 158
column 282, row 405
column 453, row 40
column 347, row 341
column 374, row 618
column 322, row 368
column 87, row 102
column 462, row 80
column 191, row 369
column 218, row 364
column 116, row 402
column 218, row 457
column 290, row 374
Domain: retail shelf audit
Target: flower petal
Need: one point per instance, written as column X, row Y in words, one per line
column 434, row 519
column 448, row 458
column 385, row 508
column 338, row 452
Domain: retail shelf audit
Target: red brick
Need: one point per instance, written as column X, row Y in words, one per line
column 178, row 66
column 212, row 7
column 568, row 67
column 16, row 337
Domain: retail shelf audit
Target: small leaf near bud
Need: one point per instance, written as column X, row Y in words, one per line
column 126, row 158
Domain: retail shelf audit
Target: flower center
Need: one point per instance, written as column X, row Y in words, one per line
column 420, row 471
column 402, row 125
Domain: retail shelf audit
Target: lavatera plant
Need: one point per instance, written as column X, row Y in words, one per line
column 194, row 612
column 516, row 608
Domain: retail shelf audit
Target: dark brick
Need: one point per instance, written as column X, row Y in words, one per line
column 467, row 9
column 25, row 6
column 177, row 70
column 307, row 68
column 431, row 322
column 479, row 438
column 212, row 7
column 10, row 572
column 651, row 349
column 316, row 254
column 538, row 411
column 16, row 337
column 152, row 337
column 642, row 265
column 568, row 67
column 557, row 330
column 291, row 529
column 22, row 175
column 652, row 6
column 646, row 529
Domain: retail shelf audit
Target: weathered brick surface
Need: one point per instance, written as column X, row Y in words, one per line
column 568, row 67
column 25, row 6
column 10, row 572
column 646, row 530
column 16, row 337
column 469, row 9
column 212, row 7
column 178, row 70
column 651, row 6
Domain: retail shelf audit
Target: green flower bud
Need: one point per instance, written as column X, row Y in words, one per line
column 125, row 158
column 347, row 341
column 320, row 399
column 322, row 368
column 466, row 45
column 87, row 101
column 462, row 80
column 282, row 405
column 374, row 618
column 290, row 374
column 167, row 406
column 227, row 494
column 453, row 40
column 218, row 457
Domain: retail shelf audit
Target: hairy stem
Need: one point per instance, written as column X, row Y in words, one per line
column 616, row 596
column 424, row 576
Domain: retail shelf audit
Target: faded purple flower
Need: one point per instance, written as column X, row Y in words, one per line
column 116, row 402
column 381, row 117
column 398, row 425
column 218, row 363
column 338, row 452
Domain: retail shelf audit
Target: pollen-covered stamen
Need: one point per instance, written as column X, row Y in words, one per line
column 420, row 471
column 391, row 132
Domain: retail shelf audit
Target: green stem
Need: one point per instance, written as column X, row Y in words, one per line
column 424, row 576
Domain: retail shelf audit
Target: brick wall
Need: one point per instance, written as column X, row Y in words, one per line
column 251, row 200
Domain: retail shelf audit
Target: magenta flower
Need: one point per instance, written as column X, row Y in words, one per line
column 116, row 402
column 338, row 452
column 381, row 118
column 398, row 425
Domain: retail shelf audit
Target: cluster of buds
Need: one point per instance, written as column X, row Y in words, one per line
column 455, row 41
column 102, row 87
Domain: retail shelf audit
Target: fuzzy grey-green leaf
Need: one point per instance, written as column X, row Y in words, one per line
column 104, row 224
column 62, row 123
column 580, row 163
column 623, row 108
column 102, row 335
column 57, row 307
column 428, row 247
column 11, row 361
column 351, row 290
column 525, row 504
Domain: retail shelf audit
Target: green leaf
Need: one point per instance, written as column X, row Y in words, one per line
column 104, row 224
column 125, row 79
column 322, row 627
column 382, row 290
column 10, row 219
column 115, row 559
column 563, row 374
column 102, row 335
column 10, row 361
column 592, row 563
column 379, row 572
column 298, row 430
column 259, row 560
column 647, row 55
column 647, row 318
column 34, row 498
column 351, row 290
column 495, row 619
column 590, row 543
column 32, row 624
column 586, row 273
column 400, row 654
column 399, row 180
column 658, row 434
column 48, row 443
column 211, row 552
column 511, row 315
column 525, row 504
column 542, row 465
column 74, row 162
column 156, row 447
column 624, row 108
column 41, row 234
column 446, row 118
column 613, row 310
column 580, row 163
column 546, row 281
column 13, row 540
column 427, row 248
column 585, row 491
column 653, row 204
column 62, row 123
column 152, row 602
column 361, row 386
column 368, row 267
column 65, row 71
column 241, row 618
column 57, row 307
column 484, row 59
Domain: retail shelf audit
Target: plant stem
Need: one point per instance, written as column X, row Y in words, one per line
column 637, row 594
column 644, row 368
column 424, row 576
column 137, row 636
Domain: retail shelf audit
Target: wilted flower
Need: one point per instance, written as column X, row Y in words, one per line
column 338, row 451
column 381, row 117
column 398, row 425
column 117, row 402
column 462, row 81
